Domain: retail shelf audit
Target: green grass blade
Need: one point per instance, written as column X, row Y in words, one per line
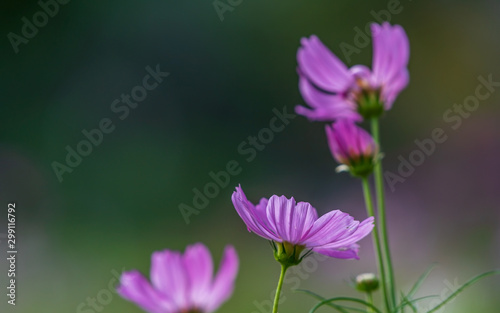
column 411, row 302
column 325, row 302
column 420, row 281
column 405, row 302
column 340, row 308
column 459, row 290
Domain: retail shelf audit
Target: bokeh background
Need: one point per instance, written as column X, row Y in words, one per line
column 121, row 203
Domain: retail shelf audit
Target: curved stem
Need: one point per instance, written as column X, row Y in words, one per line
column 278, row 289
column 379, row 187
column 376, row 243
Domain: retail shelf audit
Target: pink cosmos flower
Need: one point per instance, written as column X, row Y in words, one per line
column 353, row 146
column 294, row 227
column 182, row 283
column 333, row 91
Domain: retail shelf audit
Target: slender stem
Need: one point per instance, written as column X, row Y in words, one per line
column 376, row 243
column 379, row 187
column 369, row 299
column 278, row 289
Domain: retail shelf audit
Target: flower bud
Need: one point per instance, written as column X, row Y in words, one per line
column 367, row 282
column 352, row 146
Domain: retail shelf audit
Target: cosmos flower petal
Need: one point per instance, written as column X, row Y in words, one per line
column 350, row 252
column 353, row 233
column 328, row 228
column 401, row 46
column 253, row 216
column 169, row 276
column 242, row 207
column 134, row 287
column 223, row 284
column 393, row 89
column 317, row 98
column 290, row 220
column 280, row 212
column 326, row 106
column 306, row 215
column 328, row 114
column 322, row 67
column 390, row 53
column 199, row 267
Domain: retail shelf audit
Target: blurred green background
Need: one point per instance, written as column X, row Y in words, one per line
column 226, row 77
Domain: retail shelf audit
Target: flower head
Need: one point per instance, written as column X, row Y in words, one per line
column 352, row 146
column 333, row 91
column 294, row 227
column 182, row 283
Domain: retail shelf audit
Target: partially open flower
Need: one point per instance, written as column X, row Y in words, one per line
column 334, row 91
column 295, row 227
column 352, row 146
column 182, row 283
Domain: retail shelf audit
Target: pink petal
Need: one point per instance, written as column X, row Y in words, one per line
column 327, row 114
column 169, row 276
column 326, row 107
column 390, row 52
column 350, row 252
column 253, row 216
column 134, row 287
column 223, row 284
column 353, row 233
column 393, row 88
column 319, row 99
column 320, row 65
column 199, row 268
column 331, row 228
column 290, row 220
column 280, row 213
column 305, row 216
column 323, row 228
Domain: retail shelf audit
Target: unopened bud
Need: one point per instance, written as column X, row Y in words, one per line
column 367, row 282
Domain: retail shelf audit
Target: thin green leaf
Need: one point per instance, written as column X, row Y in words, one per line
column 420, row 281
column 351, row 308
column 325, row 302
column 459, row 290
column 405, row 302
column 410, row 302
column 403, row 305
column 338, row 307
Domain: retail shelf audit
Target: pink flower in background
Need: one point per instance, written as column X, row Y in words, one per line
column 296, row 226
column 182, row 283
column 333, row 91
column 353, row 146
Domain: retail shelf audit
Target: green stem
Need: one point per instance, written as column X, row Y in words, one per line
column 278, row 289
column 376, row 242
column 379, row 187
column 369, row 299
